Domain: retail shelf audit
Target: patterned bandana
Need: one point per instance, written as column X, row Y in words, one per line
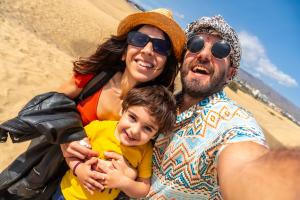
column 217, row 23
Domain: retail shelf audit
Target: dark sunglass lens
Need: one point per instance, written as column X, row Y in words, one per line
column 137, row 39
column 220, row 49
column 161, row 46
column 195, row 44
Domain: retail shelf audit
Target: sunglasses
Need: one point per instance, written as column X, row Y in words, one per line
column 138, row 39
column 220, row 49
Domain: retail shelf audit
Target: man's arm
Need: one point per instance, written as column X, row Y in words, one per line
column 250, row 171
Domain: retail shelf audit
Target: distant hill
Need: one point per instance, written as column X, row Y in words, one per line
column 272, row 95
column 136, row 5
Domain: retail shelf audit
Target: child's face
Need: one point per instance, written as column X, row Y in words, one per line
column 136, row 126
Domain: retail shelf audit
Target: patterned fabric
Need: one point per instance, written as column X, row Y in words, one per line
column 217, row 23
column 184, row 162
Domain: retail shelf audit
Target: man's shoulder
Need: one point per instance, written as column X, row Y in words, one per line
column 225, row 105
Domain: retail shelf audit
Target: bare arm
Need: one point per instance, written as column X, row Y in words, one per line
column 75, row 149
column 135, row 188
column 250, row 171
column 70, row 89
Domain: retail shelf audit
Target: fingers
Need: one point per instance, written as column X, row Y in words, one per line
column 99, row 176
column 116, row 164
column 89, row 188
column 94, row 184
column 113, row 155
column 104, row 166
column 92, row 161
column 74, row 149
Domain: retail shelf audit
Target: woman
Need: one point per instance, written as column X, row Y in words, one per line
column 146, row 50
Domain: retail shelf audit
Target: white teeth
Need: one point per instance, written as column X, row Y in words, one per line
column 145, row 64
column 200, row 70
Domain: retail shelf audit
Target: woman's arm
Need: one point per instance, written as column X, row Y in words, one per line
column 75, row 149
column 70, row 88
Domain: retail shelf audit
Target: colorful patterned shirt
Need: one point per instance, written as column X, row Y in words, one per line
column 184, row 162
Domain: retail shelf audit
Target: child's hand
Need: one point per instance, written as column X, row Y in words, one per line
column 130, row 172
column 89, row 178
column 115, row 177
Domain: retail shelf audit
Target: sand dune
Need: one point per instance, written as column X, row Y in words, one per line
column 39, row 40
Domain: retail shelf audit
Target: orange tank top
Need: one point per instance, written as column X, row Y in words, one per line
column 88, row 107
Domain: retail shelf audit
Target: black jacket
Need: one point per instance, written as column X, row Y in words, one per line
column 49, row 119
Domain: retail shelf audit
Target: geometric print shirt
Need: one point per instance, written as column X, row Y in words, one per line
column 184, row 161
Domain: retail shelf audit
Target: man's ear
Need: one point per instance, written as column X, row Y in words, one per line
column 231, row 73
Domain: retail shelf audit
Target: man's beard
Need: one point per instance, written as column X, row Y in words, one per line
column 198, row 89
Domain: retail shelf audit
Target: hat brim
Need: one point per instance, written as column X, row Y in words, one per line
column 167, row 25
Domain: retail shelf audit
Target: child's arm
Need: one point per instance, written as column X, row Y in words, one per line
column 89, row 178
column 83, row 170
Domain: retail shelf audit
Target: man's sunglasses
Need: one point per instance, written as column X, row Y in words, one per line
column 139, row 39
column 220, row 49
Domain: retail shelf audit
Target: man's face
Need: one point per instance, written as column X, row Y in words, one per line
column 202, row 74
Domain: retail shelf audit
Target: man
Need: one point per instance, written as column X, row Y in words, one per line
column 217, row 149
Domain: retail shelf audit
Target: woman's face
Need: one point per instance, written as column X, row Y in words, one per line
column 142, row 63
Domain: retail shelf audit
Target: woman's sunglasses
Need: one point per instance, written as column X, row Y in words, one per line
column 220, row 49
column 139, row 39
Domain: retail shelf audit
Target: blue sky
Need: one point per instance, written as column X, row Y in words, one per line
column 269, row 33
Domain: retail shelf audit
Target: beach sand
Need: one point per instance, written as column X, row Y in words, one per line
column 40, row 39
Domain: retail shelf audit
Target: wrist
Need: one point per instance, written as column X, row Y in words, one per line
column 124, row 181
column 75, row 167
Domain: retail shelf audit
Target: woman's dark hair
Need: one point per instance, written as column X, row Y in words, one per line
column 108, row 56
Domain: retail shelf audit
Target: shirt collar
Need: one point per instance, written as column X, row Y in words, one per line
column 197, row 108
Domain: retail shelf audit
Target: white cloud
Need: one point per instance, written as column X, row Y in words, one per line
column 179, row 15
column 254, row 58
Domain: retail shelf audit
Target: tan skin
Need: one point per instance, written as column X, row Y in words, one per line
column 246, row 170
column 142, row 65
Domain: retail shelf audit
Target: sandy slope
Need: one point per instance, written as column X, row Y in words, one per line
column 39, row 39
column 278, row 129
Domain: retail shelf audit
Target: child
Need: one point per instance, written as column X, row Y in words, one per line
column 146, row 111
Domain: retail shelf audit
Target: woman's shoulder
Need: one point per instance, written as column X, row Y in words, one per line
column 82, row 79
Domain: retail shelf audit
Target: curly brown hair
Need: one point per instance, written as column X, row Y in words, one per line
column 108, row 56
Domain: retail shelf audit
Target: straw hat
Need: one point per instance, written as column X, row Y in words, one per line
column 160, row 18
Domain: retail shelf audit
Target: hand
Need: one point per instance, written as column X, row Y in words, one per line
column 89, row 178
column 129, row 171
column 75, row 149
column 116, row 177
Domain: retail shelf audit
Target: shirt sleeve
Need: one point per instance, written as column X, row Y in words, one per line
column 82, row 79
column 145, row 166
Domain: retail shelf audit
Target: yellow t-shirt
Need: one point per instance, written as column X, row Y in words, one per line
column 102, row 138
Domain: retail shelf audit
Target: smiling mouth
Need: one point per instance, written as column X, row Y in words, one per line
column 128, row 136
column 200, row 70
column 145, row 64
